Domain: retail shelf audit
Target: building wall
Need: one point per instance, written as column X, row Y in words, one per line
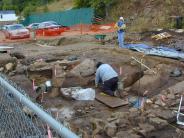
column 7, row 22
column 8, row 17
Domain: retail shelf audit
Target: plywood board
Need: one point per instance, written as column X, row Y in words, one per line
column 110, row 101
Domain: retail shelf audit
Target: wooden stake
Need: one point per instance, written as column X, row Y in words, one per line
column 120, row 71
column 42, row 97
column 55, row 71
column 49, row 132
column 143, row 64
column 81, row 28
column 33, row 84
column 57, row 115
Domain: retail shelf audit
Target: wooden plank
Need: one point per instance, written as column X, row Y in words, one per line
column 110, row 101
column 5, row 48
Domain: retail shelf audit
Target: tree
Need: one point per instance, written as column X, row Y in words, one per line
column 24, row 7
column 7, row 5
column 82, row 3
column 28, row 9
column 1, row 4
column 100, row 6
column 45, row 9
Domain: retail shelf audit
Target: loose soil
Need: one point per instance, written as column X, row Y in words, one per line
column 81, row 115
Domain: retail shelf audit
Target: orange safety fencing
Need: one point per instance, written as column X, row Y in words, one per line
column 105, row 28
column 93, row 29
column 77, row 30
column 80, row 29
column 51, row 31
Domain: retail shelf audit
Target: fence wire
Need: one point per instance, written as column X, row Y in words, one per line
column 17, row 120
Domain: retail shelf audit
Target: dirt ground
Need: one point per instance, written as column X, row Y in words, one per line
column 92, row 118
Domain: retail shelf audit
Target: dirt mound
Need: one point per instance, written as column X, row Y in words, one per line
column 59, row 42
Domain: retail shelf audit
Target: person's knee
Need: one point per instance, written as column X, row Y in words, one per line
column 109, row 92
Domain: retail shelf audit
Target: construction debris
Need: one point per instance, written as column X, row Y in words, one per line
column 5, row 49
column 110, row 101
column 78, row 93
column 160, row 36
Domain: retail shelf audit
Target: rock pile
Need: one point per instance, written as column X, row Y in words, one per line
column 7, row 63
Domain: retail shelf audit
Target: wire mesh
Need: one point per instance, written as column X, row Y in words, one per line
column 16, row 119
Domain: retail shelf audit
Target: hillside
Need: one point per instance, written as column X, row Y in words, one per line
column 140, row 15
column 57, row 5
column 145, row 15
column 27, row 7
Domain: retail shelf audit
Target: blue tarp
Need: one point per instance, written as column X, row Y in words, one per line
column 156, row 51
column 138, row 102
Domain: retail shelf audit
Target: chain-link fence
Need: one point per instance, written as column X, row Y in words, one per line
column 19, row 121
column 14, row 123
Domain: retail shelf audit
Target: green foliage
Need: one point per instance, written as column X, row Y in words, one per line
column 99, row 5
column 28, row 9
column 7, row 5
column 24, row 7
column 82, row 3
column 45, row 9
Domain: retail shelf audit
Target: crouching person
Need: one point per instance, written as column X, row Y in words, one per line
column 107, row 77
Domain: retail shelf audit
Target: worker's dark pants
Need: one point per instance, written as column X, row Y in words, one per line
column 110, row 86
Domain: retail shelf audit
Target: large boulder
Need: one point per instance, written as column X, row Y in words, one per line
column 170, row 96
column 111, row 129
column 39, row 66
column 23, row 82
column 132, row 78
column 18, row 55
column 54, row 93
column 145, row 129
column 40, row 70
column 9, row 67
column 72, row 80
column 98, row 125
column 157, row 122
column 149, row 83
column 68, row 64
column 86, row 68
column 176, row 89
column 5, row 58
column 129, row 74
column 20, row 69
column 164, row 68
column 1, row 69
column 165, row 114
column 127, row 134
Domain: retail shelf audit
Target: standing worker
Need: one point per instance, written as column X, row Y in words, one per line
column 108, row 77
column 121, row 26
